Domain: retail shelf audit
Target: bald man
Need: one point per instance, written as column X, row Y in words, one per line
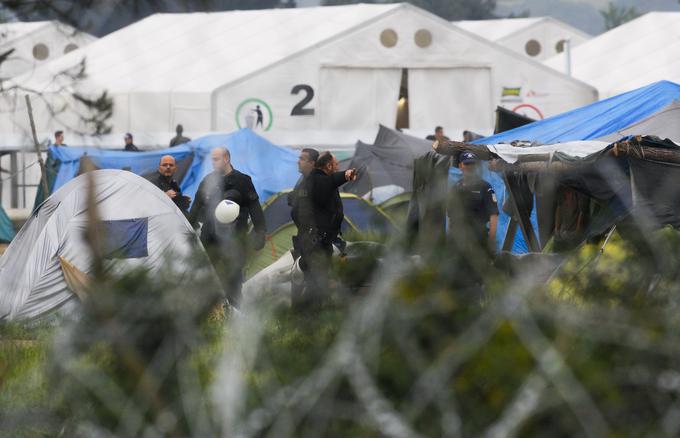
column 228, row 245
column 164, row 180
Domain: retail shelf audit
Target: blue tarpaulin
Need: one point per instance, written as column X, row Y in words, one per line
column 271, row 167
column 595, row 120
column 6, row 227
column 586, row 123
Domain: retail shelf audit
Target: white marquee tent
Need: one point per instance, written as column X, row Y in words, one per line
column 635, row 54
column 536, row 37
column 332, row 73
column 35, row 43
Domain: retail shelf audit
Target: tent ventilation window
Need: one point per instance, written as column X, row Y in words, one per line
column 389, row 38
column 533, row 48
column 70, row 47
column 41, row 52
column 402, row 104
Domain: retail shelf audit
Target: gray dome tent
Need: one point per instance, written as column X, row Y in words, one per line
column 139, row 226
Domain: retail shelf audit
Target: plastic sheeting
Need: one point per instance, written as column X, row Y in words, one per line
column 577, row 149
column 664, row 123
column 6, row 227
column 32, row 281
column 272, row 168
column 595, row 120
column 389, row 161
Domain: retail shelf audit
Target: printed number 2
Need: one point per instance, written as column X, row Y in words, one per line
column 299, row 109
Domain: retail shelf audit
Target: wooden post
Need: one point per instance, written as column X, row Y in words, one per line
column 509, row 239
column 523, row 216
column 43, row 173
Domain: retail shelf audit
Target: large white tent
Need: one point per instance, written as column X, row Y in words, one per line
column 635, row 54
column 35, row 43
column 332, row 73
column 536, row 37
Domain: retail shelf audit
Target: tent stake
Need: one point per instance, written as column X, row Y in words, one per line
column 43, row 174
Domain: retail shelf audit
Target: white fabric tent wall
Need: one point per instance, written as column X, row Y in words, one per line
column 514, row 33
column 31, row 280
column 23, row 37
column 462, row 54
column 459, row 97
column 357, row 98
column 635, row 54
column 176, row 68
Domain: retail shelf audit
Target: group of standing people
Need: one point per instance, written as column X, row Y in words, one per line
column 128, row 138
column 316, row 209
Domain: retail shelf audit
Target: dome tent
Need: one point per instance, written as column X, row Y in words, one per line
column 139, row 225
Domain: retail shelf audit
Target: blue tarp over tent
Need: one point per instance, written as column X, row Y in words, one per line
column 271, row 167
column 586, row 123
column 6, row 227
column 595, row 120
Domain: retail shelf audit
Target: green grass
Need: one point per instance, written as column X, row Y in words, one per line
column 23, row 378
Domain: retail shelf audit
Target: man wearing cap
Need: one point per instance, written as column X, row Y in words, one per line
column 129, row 145
column 473, row 212
column 228, row 244
column 164, row 180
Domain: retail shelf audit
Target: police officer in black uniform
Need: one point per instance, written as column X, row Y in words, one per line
column 473, row 212
column 327, row 215
column 228, row 244
column 163, row 179
column 301, row 211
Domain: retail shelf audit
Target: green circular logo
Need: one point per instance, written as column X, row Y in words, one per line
column 254, row 114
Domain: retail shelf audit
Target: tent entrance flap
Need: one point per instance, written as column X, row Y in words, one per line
column 359, row 98
column 402, row 104
column 433, row 92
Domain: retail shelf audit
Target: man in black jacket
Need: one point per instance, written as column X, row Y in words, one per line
column 163, row 179
column 299, row 198
column 228, row 244
column 301, row 212
column 327, row 216
column 129, row 145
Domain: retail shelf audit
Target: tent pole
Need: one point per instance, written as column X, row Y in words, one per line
column 43, row 174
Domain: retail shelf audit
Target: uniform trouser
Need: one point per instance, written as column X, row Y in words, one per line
column 229, row 262
column 315, row 261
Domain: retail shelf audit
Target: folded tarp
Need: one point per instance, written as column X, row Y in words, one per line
column 272, row 168
column 574, row 149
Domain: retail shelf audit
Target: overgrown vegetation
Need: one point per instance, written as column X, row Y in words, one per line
column 442, row 344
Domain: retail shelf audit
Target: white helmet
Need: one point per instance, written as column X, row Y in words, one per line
column 227, row 211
